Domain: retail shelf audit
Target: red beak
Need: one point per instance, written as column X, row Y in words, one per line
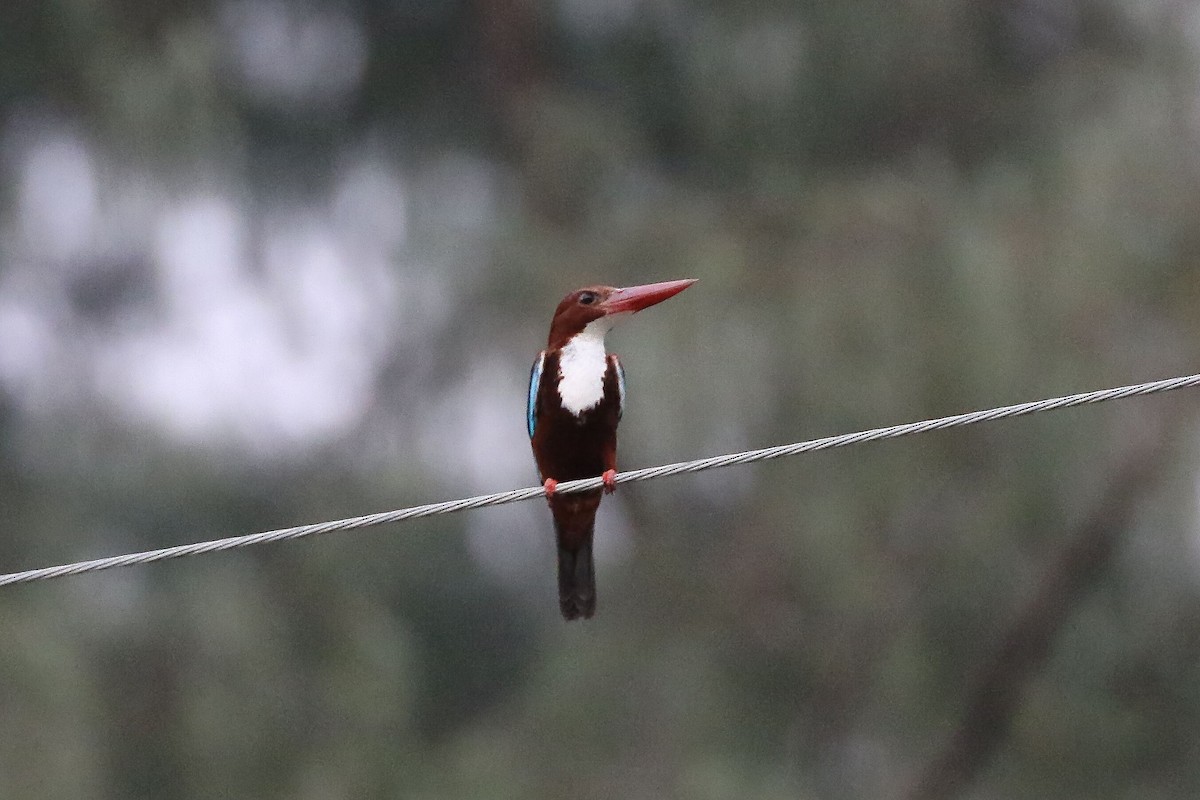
column 635, row 298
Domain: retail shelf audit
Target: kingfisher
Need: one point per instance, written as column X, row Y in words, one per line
column 576, row 399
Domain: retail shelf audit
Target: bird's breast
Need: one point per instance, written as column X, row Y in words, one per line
column 581, row 367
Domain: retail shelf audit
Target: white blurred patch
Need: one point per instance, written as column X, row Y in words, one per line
column 475, row 435
column 293, row 53
column 460, row 194
column 263, row 330
column 370, row 205
column 57, row 197
column 27, row 346
column 273, row 358
column 514, row 543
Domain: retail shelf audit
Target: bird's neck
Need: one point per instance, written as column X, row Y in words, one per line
column 582, row 362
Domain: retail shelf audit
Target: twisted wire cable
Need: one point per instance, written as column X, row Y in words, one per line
column 632, row 476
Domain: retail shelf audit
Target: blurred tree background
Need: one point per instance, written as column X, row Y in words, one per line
column 266, row 262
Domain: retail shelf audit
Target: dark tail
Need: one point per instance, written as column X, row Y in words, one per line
column 576, row 581
column 574, row 527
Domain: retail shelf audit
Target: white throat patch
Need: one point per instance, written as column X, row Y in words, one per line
column 581, row 367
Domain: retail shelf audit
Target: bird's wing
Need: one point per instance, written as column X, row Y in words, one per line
column 620, row 385
column 535, row 380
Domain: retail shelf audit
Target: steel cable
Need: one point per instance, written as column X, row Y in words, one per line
column 632, row 476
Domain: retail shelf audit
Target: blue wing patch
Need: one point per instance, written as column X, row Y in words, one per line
column 535, row 380
column 620, row 387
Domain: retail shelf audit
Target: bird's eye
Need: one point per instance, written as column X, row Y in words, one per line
column 587, row 298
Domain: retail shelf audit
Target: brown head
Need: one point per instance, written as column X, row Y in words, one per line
column 584, row 306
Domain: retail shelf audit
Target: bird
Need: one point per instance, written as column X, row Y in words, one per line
column 576, row 400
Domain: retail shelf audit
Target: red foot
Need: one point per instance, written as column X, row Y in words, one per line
column 551, row 486
column 610, row 481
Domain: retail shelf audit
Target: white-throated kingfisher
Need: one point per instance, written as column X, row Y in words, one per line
column 576, row 398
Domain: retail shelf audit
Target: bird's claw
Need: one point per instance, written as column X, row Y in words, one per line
column 610, row 481
column 550, row 486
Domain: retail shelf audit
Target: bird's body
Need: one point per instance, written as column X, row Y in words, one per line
column 571, row 444
column 576, row 399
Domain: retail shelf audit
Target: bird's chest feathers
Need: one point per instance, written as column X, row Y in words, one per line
column 581, row 367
